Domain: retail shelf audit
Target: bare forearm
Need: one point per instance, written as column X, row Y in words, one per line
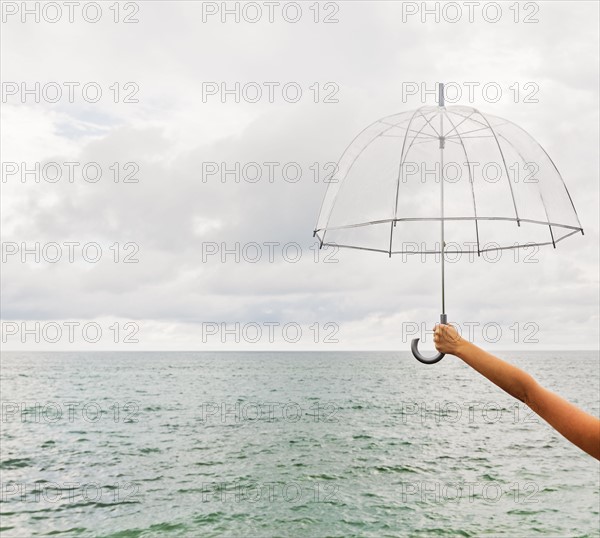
column 576, row 425
column 509, row 378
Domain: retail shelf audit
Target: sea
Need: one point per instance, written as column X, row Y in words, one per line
column 289, row 444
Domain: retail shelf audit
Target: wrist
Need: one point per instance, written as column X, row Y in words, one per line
column 462, row 348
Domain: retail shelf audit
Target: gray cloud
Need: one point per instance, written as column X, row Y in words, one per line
column 171, row 213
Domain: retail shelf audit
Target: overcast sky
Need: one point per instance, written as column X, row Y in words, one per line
column 177, row 219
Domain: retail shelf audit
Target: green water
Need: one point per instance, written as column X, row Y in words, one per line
column 288, row 444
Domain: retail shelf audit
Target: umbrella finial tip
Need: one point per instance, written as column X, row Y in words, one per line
column 441, row 94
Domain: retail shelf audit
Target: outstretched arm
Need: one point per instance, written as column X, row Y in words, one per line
column 579, row 427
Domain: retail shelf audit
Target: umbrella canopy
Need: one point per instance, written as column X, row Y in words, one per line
column 491, row 183
column 445, row 179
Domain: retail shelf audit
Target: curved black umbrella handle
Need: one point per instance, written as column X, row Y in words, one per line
column 414, row 346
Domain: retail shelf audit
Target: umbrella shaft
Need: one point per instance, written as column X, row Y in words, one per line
column 443, row 244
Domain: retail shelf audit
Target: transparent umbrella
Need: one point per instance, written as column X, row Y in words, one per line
column 445, row 180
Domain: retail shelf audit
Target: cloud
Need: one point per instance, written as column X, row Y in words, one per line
column 176, row 215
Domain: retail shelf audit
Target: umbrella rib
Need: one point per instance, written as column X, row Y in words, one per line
column 428, row 138
column 504, row 122
column 421, row 142
column 392, row 224
column 512, row 194
column 426, row 219
column 448, row 251
column 470, row 182
column 555, row 169
column 567, row 235
column 406, row 128
column 455, row 127
column 399, row 124
column 413, row 140
column 465, row 137
column 402, row 156
column 342, row 180
column 538, row 188
column 430, row 124
column 471, row 131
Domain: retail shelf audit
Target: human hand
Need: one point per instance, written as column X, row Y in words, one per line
column 447, row 340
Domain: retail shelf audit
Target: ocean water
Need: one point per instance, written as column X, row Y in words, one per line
column 288, row 444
